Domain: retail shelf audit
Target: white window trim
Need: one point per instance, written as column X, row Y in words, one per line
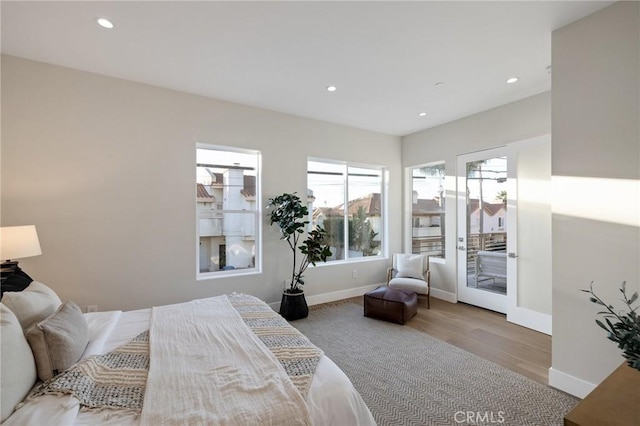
column 257, row 269
column 408, row 207
column 384, row 206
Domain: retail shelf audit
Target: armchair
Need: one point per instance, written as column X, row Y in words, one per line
column 410, row 272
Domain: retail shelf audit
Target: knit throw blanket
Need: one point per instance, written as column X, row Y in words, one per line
column 117, row 380
column 294, row 350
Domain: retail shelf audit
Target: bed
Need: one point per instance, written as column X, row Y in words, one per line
column 222, row 360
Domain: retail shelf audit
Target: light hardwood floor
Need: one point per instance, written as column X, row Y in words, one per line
column 486, row 334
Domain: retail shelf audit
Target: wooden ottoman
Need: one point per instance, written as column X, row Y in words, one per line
column 391, row 304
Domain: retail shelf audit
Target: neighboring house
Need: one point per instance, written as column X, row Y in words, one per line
column 320, row 214
column 427, row 220
column 494, row 217
column 427, row 230
column 370, row 205
column 364, row 212
column 227, row 236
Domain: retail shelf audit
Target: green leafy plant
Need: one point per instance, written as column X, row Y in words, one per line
column 361, row 234
column 289, row 214
column 622, row 328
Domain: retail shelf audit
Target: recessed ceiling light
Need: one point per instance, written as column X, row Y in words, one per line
column 104, row 23
column 331, row 88
column 422, row 114
column 512, row 80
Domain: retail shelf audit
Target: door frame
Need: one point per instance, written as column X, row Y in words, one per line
column 516, row 314
column 484, row 299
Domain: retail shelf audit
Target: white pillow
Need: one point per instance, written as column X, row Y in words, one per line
column 33, row 304
column 59, row 340
column 18, row 365
column 410, row 266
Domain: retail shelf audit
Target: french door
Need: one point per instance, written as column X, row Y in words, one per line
column 486, row 259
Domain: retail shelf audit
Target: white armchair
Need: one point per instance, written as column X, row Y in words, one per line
column 410, row 272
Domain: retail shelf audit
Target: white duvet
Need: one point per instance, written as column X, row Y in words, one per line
column 332, row 399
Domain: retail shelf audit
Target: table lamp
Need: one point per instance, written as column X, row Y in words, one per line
column 16, row 242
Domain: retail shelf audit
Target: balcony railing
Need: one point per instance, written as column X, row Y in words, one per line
column 427, row 231
column 210, row 227
column 239, row 224
column 483, row 242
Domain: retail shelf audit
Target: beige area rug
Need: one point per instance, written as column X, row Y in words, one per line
column 410, row 378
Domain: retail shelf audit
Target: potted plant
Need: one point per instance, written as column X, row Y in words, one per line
column 288, row 212
column 622, row 328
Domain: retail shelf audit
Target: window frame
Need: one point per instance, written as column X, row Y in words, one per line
column 384, row 210
column 409, row 220
column 257, row 267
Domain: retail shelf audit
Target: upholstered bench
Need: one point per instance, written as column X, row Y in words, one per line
column 390, row 304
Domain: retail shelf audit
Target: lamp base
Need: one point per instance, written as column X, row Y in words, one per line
column 12, row 278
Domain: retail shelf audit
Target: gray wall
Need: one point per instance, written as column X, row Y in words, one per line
column 595, row 167
column 525, row 119
column 105, row 169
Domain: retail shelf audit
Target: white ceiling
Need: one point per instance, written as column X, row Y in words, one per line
column 384, row 57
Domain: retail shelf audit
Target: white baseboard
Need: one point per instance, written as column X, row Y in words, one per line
column 444, row 295
column 531, row 319
column 569, row 384
column 333, row 296
column 340, row 294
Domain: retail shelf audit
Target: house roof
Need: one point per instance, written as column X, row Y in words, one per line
column 370, row 203
column 203, row 195
column 219, row 178
column 249, row 184
column 424, row 206
column 327, row 212
column 493, row 208
column 490, row 208
column 249, row 189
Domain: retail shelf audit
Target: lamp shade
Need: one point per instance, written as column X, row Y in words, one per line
column 17, row 242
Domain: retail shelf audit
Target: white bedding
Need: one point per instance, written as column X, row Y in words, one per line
column 332, row 399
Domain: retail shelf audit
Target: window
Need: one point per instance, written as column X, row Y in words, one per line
column 228, row 210
column 347, row 199
column 428, row 210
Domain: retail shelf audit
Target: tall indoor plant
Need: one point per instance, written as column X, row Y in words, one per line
column 622, row 328
column 288, row 212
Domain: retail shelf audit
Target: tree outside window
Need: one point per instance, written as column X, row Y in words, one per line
column 347, row 200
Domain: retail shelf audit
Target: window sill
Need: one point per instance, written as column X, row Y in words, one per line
column 350, row 261
column 226, row 274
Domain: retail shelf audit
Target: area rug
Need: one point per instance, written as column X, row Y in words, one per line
column 410, row 378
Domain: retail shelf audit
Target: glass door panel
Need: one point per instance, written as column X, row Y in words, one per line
column 482, row 229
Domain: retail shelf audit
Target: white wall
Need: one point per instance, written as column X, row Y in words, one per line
column 596, row 167
column 513, row 122
column 534, row 225
column 105, row 169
